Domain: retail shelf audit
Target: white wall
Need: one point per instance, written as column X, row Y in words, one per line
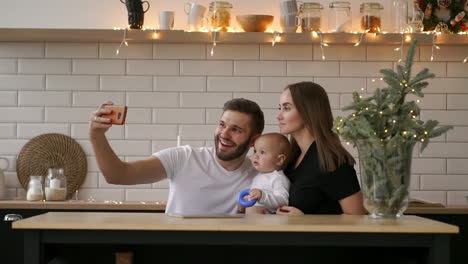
column 104, row 14
column 180, row 88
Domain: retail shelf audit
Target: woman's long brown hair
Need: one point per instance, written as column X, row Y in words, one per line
column 313, row 106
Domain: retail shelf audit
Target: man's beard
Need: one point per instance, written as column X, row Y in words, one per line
column 241, row 150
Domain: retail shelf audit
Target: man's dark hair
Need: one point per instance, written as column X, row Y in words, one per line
column 250, row 108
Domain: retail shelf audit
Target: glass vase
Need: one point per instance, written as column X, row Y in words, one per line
column 385, row 175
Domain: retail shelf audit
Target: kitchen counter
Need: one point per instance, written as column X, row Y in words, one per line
column 45, row 233
column 257, row 223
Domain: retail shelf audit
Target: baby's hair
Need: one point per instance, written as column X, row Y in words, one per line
column 283, row 144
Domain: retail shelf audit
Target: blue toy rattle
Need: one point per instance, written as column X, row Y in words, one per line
column 243, row 202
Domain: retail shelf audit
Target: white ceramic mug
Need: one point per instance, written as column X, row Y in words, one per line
column 289, row 22
column 166, row 20
column 195, row 14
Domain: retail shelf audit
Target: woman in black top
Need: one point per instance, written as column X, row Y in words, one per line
column 323, row 180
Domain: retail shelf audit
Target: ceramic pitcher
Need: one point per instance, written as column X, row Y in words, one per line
column 136, row 13
column 3, row 191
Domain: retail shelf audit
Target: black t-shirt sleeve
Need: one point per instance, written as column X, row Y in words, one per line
column 341, row 183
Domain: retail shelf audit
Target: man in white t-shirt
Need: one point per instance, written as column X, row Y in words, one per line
column 203, row 181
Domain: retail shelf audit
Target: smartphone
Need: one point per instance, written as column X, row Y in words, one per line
column 119, row 112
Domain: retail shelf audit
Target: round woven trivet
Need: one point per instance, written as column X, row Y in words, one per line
column 52, row 151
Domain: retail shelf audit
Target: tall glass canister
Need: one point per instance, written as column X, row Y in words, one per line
column 220, row 15
column 339, row 19
column 311, row 16
column 370, row 17
column 399, row 15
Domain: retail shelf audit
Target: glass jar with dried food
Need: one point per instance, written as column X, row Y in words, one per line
column 311, row 16
column 220, row 15
column 55, row 185
column 370, row 17
column 340, row 17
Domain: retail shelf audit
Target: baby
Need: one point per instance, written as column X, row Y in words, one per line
column 270, row 187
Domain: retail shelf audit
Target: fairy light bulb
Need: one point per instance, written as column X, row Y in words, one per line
column 314, row 34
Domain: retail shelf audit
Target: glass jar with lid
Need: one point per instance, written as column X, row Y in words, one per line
column 340, row 17
column 35, row 191
column 220, row 15
column 55, row 185
column 311, row 16
column 370, row 17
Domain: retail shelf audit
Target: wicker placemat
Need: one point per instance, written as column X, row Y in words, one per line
column 52, row 151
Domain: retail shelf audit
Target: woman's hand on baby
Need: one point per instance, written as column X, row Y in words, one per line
column 288, row 210
column 255, row 194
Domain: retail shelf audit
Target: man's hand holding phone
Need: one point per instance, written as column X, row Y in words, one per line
column 118, row 114
column 106, row 115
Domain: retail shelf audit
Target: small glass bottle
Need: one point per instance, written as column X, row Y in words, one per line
column 35, row 191
column 311, row 16
column 370, row 17
column 340, row 17
column 220, row 15
column 55, row 185
column 416, row 22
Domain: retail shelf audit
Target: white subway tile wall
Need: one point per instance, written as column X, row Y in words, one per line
column 179, row 89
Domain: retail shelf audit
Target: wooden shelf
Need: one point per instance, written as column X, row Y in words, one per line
column 179, row 36
column 83, row 205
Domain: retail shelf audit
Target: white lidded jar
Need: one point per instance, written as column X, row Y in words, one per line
column 35, row 191
column 55, row 185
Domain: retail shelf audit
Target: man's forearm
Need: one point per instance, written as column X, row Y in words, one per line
column 113, row 169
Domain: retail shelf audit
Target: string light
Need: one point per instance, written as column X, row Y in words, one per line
column 360, row 38
column 124, row 41
column 434, row 45
column 276, row 38
column 322, row 44
column 465, row 60
column 401, row 48
column 214, row 38
column 156, row 34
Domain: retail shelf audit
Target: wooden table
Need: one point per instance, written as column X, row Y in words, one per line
column 266, row 230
